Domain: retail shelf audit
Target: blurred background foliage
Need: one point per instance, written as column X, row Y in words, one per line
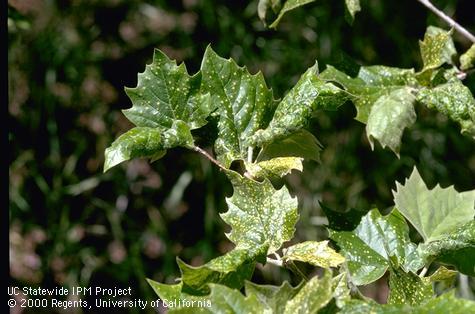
column 69, row 61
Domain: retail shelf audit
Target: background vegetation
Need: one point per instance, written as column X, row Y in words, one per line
column 72, row 225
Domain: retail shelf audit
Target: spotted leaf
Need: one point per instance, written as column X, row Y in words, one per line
column 467, row 60
column 299, row 104
column 456, row 248
column 274, row 168
column 315, row 253
column 454, row 100
column 273, row 297
column 371, row 83
column 314, row 295
column 243, row 101
column 408, row 288
column 377, row 243
column 434, row 213
column 167, row 105
column 258, row 214
column 437, row 48
column 389, row 116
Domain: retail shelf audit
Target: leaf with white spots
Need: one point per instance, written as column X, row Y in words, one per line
column 408, row 288
column 446, row 303
column 442, row 274
column 371, row 83
column 273, row 297
column 377, row 243
column 258, row 214
column 456, row 248
column 314, row 295
column 231, row 269
column 243, row 101
column 434, row 213
column 455, row 101
column 289, row 5
column 437, row 48
column 299, row 104
column 342, row 220
column 352, row 7
column 467, row 60
column 313, row 252
column 167, row 105
column 341, row 291
column 274, row 168
column 389, row 116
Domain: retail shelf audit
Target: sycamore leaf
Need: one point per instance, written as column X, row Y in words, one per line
column 299, row 144
column 167, row 105
column 273, row 297
column 258, row 214
column 467, row 60
column 376, row 244
column 352, row 7
column 341, row 291
column 342, row 220
column 434, row 213
column 315, row 253
column 371, row 83
column 389, row 116
column 442, row 274
column 224, row 300
column 456, row 248
column 263, row 7
column 407, row 288
column 243, row 101
column 295, row 110
column 274, row 168
column 289, row 5
column 454, row 100
column 230, row 269
column 137, row 142
column 446, row 303
column 314, row 295
column 437, row 48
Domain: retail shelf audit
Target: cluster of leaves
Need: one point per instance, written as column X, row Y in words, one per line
column 268, row 138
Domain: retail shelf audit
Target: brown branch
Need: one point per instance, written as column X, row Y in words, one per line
column 459, row 28
column 207, row 155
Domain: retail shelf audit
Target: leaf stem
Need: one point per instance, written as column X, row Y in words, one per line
column 459, row 28
column 423, row 271
column 275, row 262
column 207, row 155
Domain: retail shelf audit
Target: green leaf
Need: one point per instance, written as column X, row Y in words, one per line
column 434, row 213
column 446, row 303
column 407, row 288
column 454, row 100
column 313, row 252
column 389, row 116
column 376, row 244
column 274, row 168
column 289, row 5
column 352, row 7
column 230, row 269
column 166, row 93
column 299, row 144
column 437, row 48
column 295, row 110
column 167, row 105
column 371, row 83
column 467, row 60
column 137, row 142
column 259, row 214
column 274, row 298
column 263, row 7
column 456, row 248
column 442, row 274
column 341, row 291
column 313, row 296
column 342, row 220
column 244, row 103
column 225, row 300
